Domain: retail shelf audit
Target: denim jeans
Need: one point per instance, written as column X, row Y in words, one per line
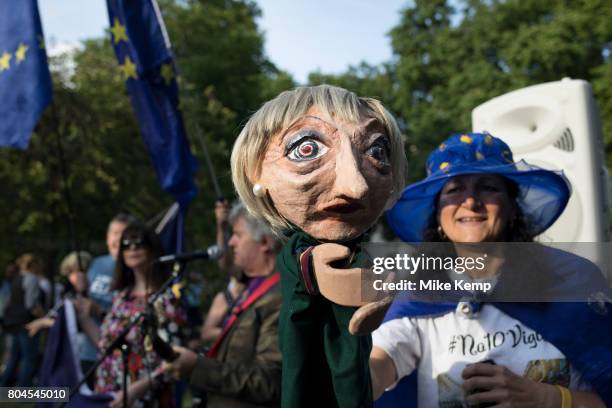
column 23, row 360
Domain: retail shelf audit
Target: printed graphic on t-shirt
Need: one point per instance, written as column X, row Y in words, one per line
column 100, row 286
column 514, row 337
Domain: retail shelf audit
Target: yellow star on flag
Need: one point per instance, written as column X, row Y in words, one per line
column 5, row 61
column 21, row 52
column 128, row 68
column 118, row 31
column 167, row 73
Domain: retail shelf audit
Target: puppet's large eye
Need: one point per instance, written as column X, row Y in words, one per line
column 379, row 151
column 305, row 148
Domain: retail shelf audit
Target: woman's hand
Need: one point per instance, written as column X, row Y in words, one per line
column 36, row 325
column 183, row 365
column 118, row 401
column 497, row 386
column 136, row 391
column 382, row 371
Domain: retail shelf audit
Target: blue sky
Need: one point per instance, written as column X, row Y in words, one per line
column 301, row 36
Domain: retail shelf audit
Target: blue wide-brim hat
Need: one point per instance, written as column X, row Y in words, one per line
column 543, row 194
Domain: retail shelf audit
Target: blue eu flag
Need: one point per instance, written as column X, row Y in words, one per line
column 25, row 82
column 60, row 366
column 146, row 62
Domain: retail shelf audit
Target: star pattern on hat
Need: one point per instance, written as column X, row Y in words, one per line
column 465, row 139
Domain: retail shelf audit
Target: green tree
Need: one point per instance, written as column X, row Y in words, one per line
column 364, row 79
column 92, row 132
column 86, row 161
column 452, row 56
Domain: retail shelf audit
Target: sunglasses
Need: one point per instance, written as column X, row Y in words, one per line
column 133, row 243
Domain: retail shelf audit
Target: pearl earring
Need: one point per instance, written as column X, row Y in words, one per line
column 259, row 190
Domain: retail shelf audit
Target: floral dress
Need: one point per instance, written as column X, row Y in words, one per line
column 143, row 362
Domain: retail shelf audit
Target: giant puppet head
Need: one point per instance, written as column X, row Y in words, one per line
column 320, row 159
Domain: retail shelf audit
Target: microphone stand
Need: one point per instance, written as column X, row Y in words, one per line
column 162, row 348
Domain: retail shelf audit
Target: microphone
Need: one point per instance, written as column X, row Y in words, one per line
column 212, row 253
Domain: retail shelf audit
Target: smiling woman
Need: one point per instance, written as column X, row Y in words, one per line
column 476, row 208
column 474, row 352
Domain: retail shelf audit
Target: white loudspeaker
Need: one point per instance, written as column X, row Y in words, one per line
column 556, row 126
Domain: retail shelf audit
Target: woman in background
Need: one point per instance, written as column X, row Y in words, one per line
column 71, row 269
column 136, row 278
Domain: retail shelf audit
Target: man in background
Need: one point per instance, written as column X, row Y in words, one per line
column 243, row 367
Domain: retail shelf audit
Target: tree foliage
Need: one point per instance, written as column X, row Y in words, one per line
column 450, row 56
column 90, row 134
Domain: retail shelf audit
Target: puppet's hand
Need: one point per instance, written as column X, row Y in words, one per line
column 341, row 286
column 368, row 317
column 344, row 287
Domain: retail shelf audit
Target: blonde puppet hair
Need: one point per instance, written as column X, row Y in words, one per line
column 280, row 113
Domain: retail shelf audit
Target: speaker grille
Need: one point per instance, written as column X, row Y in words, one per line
column 566, row 141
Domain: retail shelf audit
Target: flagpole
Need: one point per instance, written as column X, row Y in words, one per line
column 159, row 216
column 209, row 164
column 162, row 25
column 72, row 231
column 198, row 131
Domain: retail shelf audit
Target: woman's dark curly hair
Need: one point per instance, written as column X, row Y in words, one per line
column 517, row 231
column 124, row 276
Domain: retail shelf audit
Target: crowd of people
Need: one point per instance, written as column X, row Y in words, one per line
column 314, row 169
column 27, row 310
column 109, row 290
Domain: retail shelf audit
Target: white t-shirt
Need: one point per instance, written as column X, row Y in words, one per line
column 441, row 347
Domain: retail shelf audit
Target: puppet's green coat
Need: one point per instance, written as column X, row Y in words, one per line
column 323, row 364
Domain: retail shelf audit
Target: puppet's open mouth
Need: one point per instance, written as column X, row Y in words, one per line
column 344, row 208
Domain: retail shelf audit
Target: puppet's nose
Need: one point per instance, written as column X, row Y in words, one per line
column 349, row 178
